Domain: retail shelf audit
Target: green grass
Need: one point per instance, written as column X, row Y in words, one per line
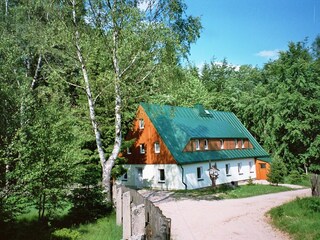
column 225, row 192
column 300, row 218
column 302, row 180
column 103, row 229
column 27, row 227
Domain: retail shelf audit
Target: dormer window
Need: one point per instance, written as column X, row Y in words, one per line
column 156, row 147
column 197, row 144
column 206, row 146
column 221, row 144
column 236, row 143
column 142, row 149
column 141, row 124
column 242, row 143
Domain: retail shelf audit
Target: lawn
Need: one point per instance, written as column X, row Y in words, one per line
column 225, row 192
column 28, row 228
column 300, row 218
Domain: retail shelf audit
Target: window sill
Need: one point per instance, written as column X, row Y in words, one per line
column 161, row 181
column 240, row 173
column 200, row 179
column 251, row 171
column 228, row 175
column 124, row 180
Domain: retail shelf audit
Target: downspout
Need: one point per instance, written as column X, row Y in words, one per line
column 185, row 185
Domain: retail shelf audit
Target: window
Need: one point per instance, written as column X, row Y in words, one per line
column 242, row 143
column 141, row 124
column 236, row 143
column 251, row 166
column 156, row 147
column 199, row 173
column 197, row 144
column 206, row 146
column 221, row 144
column 128, row 150
column 263, row 165
column 125, row 177
column 240, row 168
column 162, row 177
column 228, row 169
column 142, row 149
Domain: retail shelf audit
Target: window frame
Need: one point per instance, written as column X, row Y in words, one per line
column 142, row 148
column 206, row 144
column 197, row 142
column 161, row 176
column 141, row 123
column 240, row 172
column 228, row 168
column 221, row 144
column 156, row 147
column 200, row 173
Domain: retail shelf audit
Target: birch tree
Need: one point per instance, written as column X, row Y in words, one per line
column 138, row 37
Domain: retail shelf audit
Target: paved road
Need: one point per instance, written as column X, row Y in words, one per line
column 226, row 219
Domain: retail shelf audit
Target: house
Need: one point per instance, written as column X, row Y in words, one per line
column 175, row 147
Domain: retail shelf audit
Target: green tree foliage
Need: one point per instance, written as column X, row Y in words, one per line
column 277, row 171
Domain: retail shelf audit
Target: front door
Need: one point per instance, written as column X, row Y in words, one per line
column 139, row 177
column 262, row 171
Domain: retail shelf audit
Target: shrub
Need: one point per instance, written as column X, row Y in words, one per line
column 294, row 177
column 65, row 234
column 277, row 171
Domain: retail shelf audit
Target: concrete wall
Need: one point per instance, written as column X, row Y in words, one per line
column 173, row 174
column 140, row 218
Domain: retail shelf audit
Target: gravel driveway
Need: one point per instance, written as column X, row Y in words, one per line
column 226, row 219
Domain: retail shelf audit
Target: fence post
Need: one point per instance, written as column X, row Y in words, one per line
column 126, row 215
column 119, row 205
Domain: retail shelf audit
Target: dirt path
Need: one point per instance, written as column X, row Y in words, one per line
column 226, row 219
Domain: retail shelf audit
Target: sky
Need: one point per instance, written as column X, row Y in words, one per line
column 251, row 31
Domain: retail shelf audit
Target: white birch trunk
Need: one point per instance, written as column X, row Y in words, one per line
column 7, row 7
column 104, row 164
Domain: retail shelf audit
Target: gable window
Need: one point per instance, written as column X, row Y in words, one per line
column 128, row 150
column 162, row 177
column 221, row 144
column 242, row 143
column 197, row 144
column 228, row 169
column 236, row 143
column 240, row 168
column 251, row 166
column 125, row 177
column 142, row 149
column 141, row 124
column 206, row 146
column 199, row 173
column 156, row 147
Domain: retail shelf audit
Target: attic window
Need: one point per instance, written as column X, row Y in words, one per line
column 242, row 143
column 236, row 143
column 221, row 144
column 142, row 149
column 206, row 146
column 156, row 147
column 141, row 124
column 197, row 144
column 207, row 112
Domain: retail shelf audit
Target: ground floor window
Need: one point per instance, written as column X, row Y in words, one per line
column 251, row 166
column 228, row 169
column 162, row 177
column 125, row 177
column 240, row 168
column 199, row 173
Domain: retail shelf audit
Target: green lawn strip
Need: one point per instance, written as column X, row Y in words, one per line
column 225, row 192
column 103, row 229
column 300, row 218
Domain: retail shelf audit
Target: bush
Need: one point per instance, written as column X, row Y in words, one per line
column 294, row 177
column 65, row 234
column 88, row 204
column 277, row 171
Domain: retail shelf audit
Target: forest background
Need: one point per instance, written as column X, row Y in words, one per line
column 73, row 73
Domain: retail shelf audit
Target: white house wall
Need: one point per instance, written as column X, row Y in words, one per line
column 173, row 174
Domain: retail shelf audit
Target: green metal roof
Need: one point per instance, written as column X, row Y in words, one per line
column 177, row 125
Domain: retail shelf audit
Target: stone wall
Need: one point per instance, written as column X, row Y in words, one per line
column 139, row 217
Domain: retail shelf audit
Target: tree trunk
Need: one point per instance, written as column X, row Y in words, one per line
column 315, row 185
column 106, row 165
column 7, row 7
